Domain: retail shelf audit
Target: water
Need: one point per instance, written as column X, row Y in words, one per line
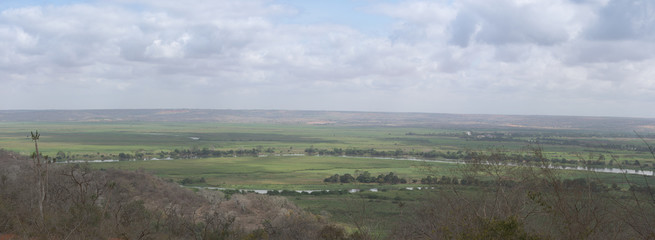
column 610, row 170
column 114, row 160
column 450, row 161
column 262, row 191
column 352, row 190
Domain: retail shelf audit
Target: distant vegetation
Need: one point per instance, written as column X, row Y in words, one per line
column 326, row 175
column 366, row 177
column 601, row 159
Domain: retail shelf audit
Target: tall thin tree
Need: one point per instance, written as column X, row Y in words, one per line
column 41, row 173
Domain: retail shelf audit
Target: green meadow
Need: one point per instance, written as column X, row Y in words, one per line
column 281, row 160
column 277, row 145
column 104, row 140
column 278, row 159
column 290, row 173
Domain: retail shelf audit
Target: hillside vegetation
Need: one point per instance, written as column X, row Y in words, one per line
column 82, row 203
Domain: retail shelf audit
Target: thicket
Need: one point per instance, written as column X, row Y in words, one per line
column 531, row 202
column 188, row 181
column 82, row 203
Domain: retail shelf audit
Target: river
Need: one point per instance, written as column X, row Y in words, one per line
column 450, row 161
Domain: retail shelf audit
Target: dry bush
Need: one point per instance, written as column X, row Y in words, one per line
column 526, row 202
column 277, row 216
column 84, row 203
column 637, row 211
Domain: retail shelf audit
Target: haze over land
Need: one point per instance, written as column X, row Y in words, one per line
column 339, row 119
column 562, row 57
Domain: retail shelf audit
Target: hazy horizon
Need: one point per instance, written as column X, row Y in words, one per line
column 315, row 110
column 506, row 57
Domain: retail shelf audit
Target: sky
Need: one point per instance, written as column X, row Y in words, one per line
column 524, row 57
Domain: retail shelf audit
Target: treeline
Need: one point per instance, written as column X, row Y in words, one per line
column 467, row 181
column 593, row 184
column 598, row 160
column 366, row 177
column 372, row 152
column 174, row 154
column 542, row 138
column 582, row 143
column 463, row 155
column 206, row 153
column 188, row 181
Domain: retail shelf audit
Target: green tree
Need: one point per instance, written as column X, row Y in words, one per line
column 61, row 155
column 332, row 179
column 365, row 177
column 346, row 178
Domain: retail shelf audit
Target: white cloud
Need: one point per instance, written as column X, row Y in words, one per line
column 173, row 49
column 464, row 56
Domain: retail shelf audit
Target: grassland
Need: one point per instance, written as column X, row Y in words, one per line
column 279, row 169
column 291, row 173
column 105, row 140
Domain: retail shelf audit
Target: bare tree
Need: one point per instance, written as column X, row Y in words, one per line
column 40, row 173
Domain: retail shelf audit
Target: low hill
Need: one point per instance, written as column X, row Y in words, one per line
column 341, row 118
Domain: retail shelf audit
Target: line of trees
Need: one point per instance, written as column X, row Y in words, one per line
column 593, row 184
column 372, row 152
column 542, row 138
column 192, row 153
column 461, row 155
column 366, row 177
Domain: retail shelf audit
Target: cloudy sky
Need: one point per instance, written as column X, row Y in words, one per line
column 535, row 57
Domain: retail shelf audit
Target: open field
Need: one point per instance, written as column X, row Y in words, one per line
column 308, row 172
column 266, row 145
column 105, row 140
column 291, row 173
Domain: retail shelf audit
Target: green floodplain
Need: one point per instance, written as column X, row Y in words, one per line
column 106, row 140
column 300, row 156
